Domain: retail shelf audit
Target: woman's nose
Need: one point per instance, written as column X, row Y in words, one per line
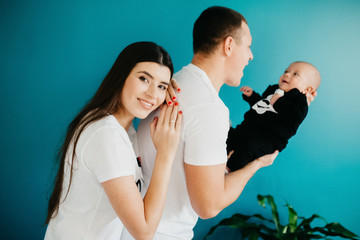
column 151, row 91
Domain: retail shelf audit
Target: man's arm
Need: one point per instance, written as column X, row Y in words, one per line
column 210, row 190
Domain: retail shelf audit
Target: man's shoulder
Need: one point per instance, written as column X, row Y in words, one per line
column 195, row 89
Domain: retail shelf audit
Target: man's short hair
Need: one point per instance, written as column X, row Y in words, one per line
column 214, row 25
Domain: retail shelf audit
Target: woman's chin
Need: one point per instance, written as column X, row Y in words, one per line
column 144, row 115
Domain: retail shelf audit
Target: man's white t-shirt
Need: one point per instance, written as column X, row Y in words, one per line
column 203, row 142
column 103, row 152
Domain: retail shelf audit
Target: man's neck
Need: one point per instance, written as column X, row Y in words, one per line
column 212, row 66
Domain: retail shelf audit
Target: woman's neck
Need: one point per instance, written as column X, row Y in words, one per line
column 124, row 120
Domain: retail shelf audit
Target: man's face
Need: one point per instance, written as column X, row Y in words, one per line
column 240, row 57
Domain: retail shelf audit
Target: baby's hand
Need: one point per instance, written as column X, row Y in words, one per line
column 247, row 91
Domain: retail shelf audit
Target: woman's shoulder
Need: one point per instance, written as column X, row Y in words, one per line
column 106, row 128
column 107, row 122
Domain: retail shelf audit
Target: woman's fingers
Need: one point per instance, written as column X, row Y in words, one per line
column 153, row 126
column 168, row 98
column 174, row 114
column 168, row 113
column 178, row 121
column 171, row 92
column 163, row 111
column 175, row 85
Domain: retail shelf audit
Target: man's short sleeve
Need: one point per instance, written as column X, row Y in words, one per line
column 206, row 130
column 108, row 154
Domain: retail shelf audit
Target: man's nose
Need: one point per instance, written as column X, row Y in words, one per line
column 251, row 56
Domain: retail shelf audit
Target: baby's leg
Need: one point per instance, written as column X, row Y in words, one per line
column 247, row 151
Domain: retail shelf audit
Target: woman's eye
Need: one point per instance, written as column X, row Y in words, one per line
column 144, row 79
column 296, row 74
column 162, row 87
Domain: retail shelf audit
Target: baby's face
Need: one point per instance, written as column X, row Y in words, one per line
column 297, row 75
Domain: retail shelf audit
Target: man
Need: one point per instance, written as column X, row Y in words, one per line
column 198, row 185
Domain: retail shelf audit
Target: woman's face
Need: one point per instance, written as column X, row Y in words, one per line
column 144, row 89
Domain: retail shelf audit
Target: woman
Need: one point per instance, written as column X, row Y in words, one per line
column 96, row 192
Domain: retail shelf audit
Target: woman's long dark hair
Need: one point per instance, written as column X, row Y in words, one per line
column 105, row 101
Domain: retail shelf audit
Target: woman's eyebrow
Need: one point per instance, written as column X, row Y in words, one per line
column 165, row 83
column 146, row 73
column 149, row 75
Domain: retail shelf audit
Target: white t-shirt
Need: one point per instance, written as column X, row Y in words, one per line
column 203, row 142
column 103, row 152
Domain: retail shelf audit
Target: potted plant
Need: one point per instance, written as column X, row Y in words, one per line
column 269, row 229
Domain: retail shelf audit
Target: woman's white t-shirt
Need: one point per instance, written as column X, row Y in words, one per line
column 103, row 152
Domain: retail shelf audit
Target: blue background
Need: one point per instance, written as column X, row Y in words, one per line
column 54, row 54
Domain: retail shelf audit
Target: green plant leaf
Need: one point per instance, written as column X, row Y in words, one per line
column 274, row 212
column 305, row 224
column 261, row 200
column 291, row 231
column 292, row 219
column 251, row 234
column 235, row 221
column 286, row 227
column 240, row 221
column 308, row 235
column 267, row 230
column 262, row 218
column 337, row 228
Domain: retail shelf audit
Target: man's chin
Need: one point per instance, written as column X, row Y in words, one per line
column 233, row 84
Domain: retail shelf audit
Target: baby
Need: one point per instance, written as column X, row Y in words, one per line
column 274, row 117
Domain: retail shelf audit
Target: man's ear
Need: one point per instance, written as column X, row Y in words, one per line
column 228, row 45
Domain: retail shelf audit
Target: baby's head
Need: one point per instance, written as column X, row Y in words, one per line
column 301, row 75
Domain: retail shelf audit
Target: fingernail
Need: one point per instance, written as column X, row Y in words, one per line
column 174, row 98
column 176, row 103
column 180, row 112
column 178, row 89
column 170, row 102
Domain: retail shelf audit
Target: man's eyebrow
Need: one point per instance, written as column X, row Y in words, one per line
column 149, row 75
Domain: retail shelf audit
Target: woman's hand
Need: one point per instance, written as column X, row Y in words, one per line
column 171, row 92
column 165, row 130
column 139, row 215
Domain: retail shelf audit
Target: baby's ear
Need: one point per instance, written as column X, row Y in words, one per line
column 309, row 89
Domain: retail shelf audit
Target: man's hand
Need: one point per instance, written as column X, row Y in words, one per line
column 310, row 96
column 268, row 159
